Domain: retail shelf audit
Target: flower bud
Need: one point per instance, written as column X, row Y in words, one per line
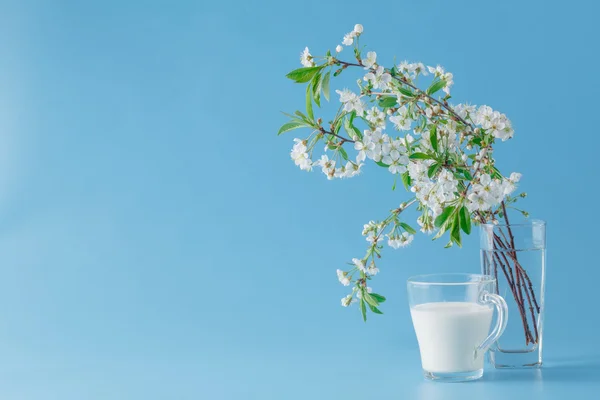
column 469, row 147
column 339, row 49
column 358, row 28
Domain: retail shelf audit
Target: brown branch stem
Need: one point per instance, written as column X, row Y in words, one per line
column 343, row 139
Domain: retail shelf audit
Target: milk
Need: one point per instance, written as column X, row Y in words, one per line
column 448, row 334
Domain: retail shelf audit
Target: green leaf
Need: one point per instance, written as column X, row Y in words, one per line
column 420, row 156
column 440, row 232
column 433, row 168
column 496, row 173
column 433, row 138
column 441, row 219
column 386, row 102
column 338, row 125
column 375, row 309
column 465, row 220
column 382, row 164
column 351, row 129
column 406, row 92
column 325, row 85
column 309, row 109
column 338, row 71
column 395, row 180
column 316, row 85
column 304, row 117
column 303, row 75
column 467, row 175
column 406, row 180
column 363, row 309
column 449, row 244
column 290, row 126
column 455, row 232
column 343, row 153
column 435, row 86
column 408, row 228
column 352, row 116
column 378, row 297
column 370, row 299
column 423, row 123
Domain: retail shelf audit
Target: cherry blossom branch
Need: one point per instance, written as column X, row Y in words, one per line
column 420, row 91
column 431, row 161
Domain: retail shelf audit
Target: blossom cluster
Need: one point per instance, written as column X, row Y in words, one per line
column 489, row 192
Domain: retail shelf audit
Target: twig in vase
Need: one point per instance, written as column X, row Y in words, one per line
column 521, row 311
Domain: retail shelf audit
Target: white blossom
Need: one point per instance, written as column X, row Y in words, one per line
column 327, row 166
column 372, row 238
column 411, row 70
column 448, row 78
column 343, row 277
column 300, row 156
column 495, row 122
column 402, row 122
column 351, row 101
column 358, row 29
column 360, row 264
column 370, row 60
column 306, row 59
column 397, row 241
column 426, row 224
column 362, row 150
column 338, row 48
column 349, row 38
column 376, row 117
column 372, row 270
column 346, row 301
column 379, row 79
column 352, row 169
column 436, row 71
column 464, row 110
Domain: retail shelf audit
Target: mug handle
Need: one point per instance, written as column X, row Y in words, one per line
column 502, row 310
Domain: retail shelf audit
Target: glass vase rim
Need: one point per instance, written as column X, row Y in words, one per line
column 532, row 222
column 437, row 279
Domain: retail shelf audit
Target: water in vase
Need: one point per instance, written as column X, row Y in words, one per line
column 521, row 343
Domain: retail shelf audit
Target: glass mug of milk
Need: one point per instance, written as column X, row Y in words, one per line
column 452, row 316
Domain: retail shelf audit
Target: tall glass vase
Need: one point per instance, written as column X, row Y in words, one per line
column 515, row 254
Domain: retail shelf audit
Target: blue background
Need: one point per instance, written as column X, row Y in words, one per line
column 158, row 243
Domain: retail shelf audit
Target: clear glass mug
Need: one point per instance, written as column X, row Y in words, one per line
column 452, row 315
